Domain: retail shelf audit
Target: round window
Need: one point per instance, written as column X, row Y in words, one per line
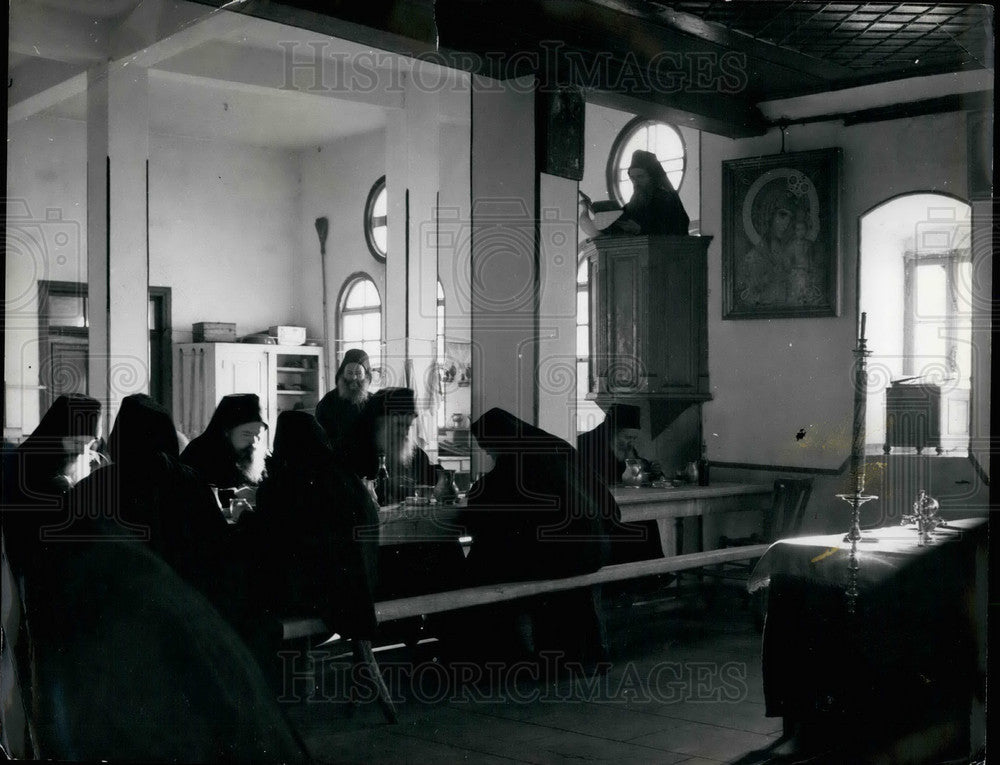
column 649, row 135
column 376, row 227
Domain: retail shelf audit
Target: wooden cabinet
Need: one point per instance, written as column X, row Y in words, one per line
column 648, row 318
column 913, row 416
column 284, row 377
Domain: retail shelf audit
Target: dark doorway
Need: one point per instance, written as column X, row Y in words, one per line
column 64, row 327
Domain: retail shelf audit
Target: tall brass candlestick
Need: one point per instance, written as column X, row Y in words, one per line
column 860, row 408
column 857, row 498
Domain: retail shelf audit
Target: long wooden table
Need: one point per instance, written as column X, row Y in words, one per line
column 403, row 523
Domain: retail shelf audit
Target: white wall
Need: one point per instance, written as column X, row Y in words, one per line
column 46, row 240
column 335, row 181
column 557, row 307
column 504, row 261
column 222, row 233
column 771, row 378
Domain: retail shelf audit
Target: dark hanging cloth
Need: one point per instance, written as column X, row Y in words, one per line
column 33, row 477
column 317, row 532
column 147, row 495
column 211, row 454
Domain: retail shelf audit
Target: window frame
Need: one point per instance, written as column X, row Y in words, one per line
column 369, row 220
column 950, row 261
column 349, row 284
column 617, row 147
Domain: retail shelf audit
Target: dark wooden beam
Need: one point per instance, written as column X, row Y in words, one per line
column 953, row 103
column 957, row 102
column 618, row 60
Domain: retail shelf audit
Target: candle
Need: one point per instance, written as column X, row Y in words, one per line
column 860, row 402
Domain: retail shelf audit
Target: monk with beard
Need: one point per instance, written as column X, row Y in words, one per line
column 231, row 453
column 387, row 427
column 339, row 409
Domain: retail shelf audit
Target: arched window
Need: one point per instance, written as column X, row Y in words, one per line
column 360, row 319
column 588, row 414
column 917, row 291
column 376, row 221
column 662, row 139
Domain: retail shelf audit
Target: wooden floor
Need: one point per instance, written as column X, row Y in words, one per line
column 685, row 687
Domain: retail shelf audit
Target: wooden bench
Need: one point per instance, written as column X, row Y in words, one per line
column 452, row 600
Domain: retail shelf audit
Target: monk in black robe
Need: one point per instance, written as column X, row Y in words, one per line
column 41, row 470
column 387, row 428
column 604, row 451
column 147, row 495
column 339, row 409
column 535, row 515
column 231, row 451
column 319, row 525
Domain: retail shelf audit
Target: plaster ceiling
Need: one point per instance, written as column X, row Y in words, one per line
column 789, row 51
column 207, row 109
column 183, row 99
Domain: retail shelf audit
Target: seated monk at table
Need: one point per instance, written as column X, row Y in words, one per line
column 232, row 450
column 41, row 470
column 147, row 495
column 315, row 536
column 534, row 516
column 386, row 428
column 604, row 451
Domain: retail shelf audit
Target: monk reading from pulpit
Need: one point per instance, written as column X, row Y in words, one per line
column 654, row 209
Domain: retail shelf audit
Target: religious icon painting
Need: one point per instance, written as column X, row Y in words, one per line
column 780, row 235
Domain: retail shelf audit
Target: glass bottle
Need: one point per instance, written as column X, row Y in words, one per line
column 703, row 465
column 382, row 482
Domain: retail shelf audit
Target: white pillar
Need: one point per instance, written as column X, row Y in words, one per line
column 117, row 248
column 504, row 248
column 557, row 209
